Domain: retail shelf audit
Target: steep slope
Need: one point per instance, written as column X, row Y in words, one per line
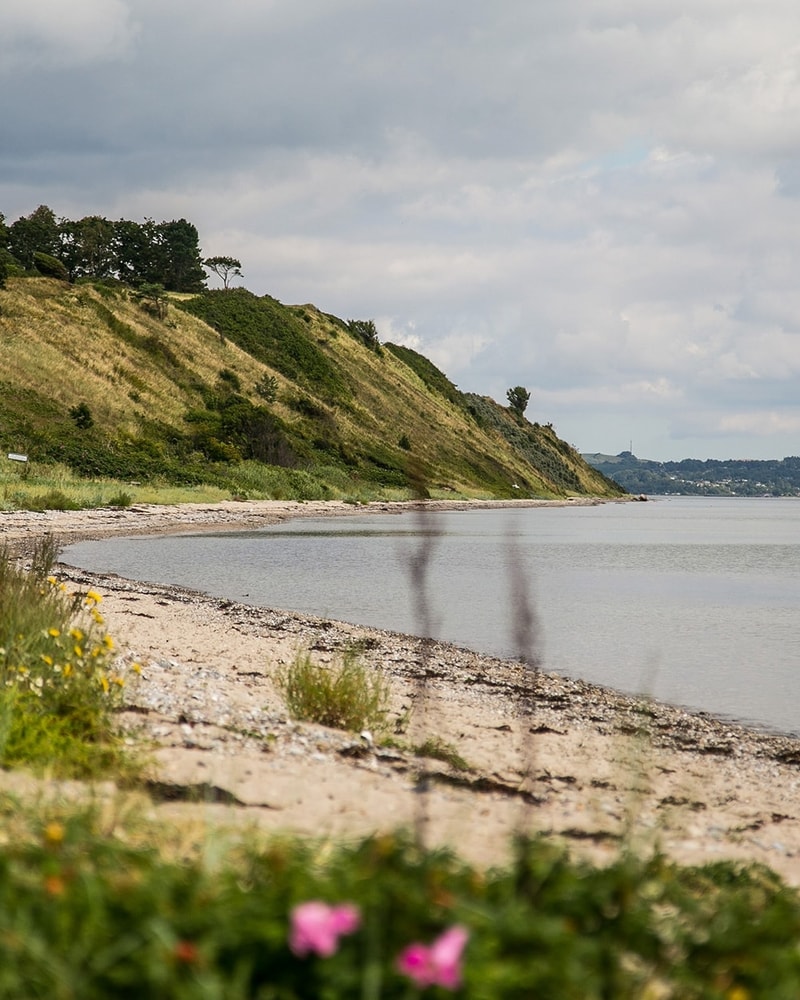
column 214, row 388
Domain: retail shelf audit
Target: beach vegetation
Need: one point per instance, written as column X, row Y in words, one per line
column 60, row 683
column 344, row 695
column 437, row 748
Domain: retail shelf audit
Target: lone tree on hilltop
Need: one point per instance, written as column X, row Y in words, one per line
column 518, row 399
column 225, row 268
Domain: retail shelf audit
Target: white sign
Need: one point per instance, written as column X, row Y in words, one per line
column 17, row 458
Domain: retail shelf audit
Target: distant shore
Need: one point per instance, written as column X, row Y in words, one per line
column 581, row 762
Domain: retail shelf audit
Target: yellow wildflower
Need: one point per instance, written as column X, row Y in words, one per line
column 54, row 833
column 93, row 597
column 136, row 668
column 104, row 682
column 77, row 651
column 54, row 632
column 52, row 581
column 118, row 681
column 76, row 634
column 97, row 617
column 67, row 669
column 47, row 659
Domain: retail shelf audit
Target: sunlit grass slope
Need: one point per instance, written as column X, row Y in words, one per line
column 245, row 396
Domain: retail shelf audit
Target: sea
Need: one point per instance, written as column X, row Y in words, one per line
column 691, row 600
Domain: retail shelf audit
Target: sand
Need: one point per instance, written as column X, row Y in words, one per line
column 597, row 769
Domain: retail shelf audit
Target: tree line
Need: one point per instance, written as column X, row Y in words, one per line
column 137, row 253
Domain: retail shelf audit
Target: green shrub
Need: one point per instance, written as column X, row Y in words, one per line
column 52, row 500
column 345, row 696
column 82, row 416
column 49, row 266
column 267, row 388
column 121, row 499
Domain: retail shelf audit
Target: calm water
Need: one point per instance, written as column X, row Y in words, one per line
column 694, row 600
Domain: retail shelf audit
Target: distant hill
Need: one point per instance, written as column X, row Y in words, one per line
column 712, row 477
column 263, row 399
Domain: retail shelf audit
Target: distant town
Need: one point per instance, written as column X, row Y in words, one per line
column 712, row 477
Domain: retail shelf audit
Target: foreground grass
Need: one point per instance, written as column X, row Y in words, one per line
column 88, row 914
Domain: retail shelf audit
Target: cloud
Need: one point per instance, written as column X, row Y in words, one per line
column 50, row 35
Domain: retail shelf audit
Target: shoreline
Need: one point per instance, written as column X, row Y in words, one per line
column 549, row 753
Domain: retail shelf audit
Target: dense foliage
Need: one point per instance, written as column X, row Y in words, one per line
column 164, row 253
column 85, row 914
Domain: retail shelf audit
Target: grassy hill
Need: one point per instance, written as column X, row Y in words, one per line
column 250, row 398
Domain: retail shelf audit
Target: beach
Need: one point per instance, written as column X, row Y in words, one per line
column 541, row 753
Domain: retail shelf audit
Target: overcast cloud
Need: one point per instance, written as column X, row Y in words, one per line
column 596, row 199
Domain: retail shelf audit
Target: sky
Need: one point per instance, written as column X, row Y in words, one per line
column 598, row 200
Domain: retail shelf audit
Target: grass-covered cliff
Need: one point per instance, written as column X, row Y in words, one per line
column 253, row 398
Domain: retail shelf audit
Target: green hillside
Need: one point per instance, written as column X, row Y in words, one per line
column 253, row 398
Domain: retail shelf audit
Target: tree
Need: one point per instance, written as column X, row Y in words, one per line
column 38, row 231
column 138, row 252
column 225, row 268
column 88, row 247
column 365, row 331
column 183, row 265
column 518, row 399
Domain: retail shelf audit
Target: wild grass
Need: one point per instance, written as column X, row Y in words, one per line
column 345, row 695
column 59, row 684
column 437, row 748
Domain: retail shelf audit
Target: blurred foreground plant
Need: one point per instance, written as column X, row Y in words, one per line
column 93, row 910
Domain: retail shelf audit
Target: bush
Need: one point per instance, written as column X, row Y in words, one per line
column 82, row 416
column 52, row 500
column 49, row 266
column 347, row 696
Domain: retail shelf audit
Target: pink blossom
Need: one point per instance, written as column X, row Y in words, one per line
column 317, row 927
column 438, row 964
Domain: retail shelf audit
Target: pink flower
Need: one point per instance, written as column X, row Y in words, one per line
column 438, row 964
column 317, row 927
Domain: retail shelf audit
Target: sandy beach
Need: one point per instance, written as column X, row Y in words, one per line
column 593, row 767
